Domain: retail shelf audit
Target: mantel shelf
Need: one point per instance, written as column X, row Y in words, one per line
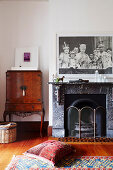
column 80, row 83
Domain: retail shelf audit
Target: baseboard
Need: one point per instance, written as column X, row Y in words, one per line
column 49, row 130
column 31, row 126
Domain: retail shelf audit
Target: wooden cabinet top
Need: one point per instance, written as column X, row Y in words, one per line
column 23, row 71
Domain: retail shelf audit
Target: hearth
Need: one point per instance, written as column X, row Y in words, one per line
column 99, row 113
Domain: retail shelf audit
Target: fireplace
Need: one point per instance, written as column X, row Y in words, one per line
column 93, row 98
column 85, row 115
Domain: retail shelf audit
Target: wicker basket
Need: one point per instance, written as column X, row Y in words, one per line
column 7, row 132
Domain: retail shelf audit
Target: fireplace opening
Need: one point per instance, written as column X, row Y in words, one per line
column 85, row 115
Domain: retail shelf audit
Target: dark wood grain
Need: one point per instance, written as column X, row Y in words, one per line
column 33, row 82
column 29, row 139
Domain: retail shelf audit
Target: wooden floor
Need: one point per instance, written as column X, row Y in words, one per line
column 28, row 139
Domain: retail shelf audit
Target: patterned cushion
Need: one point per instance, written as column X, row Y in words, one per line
column 23, row 162
column 50, row 151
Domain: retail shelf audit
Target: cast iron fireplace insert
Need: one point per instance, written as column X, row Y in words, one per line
column 85, row 115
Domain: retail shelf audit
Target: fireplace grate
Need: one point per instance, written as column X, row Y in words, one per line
column 87, row 129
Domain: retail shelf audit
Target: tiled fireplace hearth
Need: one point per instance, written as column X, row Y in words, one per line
column 60, row 92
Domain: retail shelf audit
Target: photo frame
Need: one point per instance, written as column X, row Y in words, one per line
column 26, row 58
column 81, row 55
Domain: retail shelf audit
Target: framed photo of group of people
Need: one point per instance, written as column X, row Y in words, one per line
column 84, row 54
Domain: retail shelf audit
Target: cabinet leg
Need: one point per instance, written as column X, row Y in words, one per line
column 9, row 117
column 4, row 116
column 42, row 120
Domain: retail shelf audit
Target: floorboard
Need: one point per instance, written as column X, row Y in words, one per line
column 29, row 139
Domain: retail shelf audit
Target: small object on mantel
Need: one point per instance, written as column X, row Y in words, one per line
column 59, row 79
column 79, row 81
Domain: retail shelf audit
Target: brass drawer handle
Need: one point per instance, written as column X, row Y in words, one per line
column 23, row 88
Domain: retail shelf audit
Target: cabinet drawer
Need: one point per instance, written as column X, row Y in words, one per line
column 23, row 107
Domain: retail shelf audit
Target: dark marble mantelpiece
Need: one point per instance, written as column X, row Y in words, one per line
column 80, row 83
column 59, row 91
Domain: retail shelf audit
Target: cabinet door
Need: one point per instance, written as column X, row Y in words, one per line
column 14, row 81
column 33, row 83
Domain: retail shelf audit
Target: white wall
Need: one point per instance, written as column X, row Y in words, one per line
column 22, row 24
column 27, row 23
column 77, row 17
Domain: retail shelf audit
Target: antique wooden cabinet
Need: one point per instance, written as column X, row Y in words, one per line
column 24, row 94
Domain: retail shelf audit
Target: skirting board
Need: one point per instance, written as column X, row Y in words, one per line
column 31, row 126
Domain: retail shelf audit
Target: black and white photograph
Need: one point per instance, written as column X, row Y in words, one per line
column 84, row 54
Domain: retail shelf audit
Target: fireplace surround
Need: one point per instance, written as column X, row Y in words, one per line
column 61, row 90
